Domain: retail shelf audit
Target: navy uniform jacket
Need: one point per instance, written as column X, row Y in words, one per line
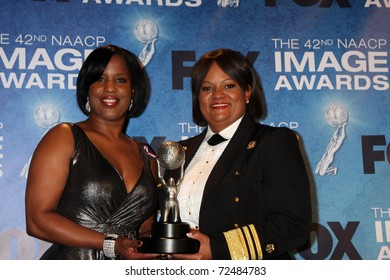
column 256, row 203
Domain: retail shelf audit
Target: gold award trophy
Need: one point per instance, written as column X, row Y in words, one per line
column 169, row 234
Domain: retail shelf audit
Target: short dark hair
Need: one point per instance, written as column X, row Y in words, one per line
column 94, row 66
column 235, row 65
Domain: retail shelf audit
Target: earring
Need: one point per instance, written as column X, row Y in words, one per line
column 131, row 105
column 87, row 107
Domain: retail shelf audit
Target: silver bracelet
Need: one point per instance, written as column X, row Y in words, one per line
column 109, row 245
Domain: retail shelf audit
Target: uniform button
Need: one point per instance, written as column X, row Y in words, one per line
column 237, row 173
column 236, row 225
column 270, row 248
column 236, row 199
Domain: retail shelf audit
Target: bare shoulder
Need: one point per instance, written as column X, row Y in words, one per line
column 51, row 157
column 61, row 128
column 58, row 137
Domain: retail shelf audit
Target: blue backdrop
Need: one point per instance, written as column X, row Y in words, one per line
column 323, row 63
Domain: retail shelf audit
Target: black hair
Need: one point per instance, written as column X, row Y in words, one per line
column 94, row 66
column 235, row 65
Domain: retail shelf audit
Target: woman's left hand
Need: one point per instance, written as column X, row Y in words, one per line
column 128, row 249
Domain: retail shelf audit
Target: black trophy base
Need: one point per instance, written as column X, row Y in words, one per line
column 169, row 238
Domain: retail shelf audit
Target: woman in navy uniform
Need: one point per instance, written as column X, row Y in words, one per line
column 247, row 195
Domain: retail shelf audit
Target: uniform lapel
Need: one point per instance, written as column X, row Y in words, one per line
column 235, row 151
column 191, row 146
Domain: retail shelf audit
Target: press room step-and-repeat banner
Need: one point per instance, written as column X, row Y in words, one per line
column 324, row 65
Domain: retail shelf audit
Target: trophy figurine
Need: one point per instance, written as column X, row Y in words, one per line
column 336, row 116
column 169, row 234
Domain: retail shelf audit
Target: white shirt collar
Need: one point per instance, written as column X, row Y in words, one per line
column 226, row 133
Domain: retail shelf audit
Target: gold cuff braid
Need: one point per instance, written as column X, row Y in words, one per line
column 244, row 243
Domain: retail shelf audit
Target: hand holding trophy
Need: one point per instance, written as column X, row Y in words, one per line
column 169, row 235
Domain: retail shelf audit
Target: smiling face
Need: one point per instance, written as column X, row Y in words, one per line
column 221, row 100
column 110, row 96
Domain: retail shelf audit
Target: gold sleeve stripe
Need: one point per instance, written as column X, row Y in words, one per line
column 257, row 242
column 236, row 244
column 249, row 242
column 243, row 243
